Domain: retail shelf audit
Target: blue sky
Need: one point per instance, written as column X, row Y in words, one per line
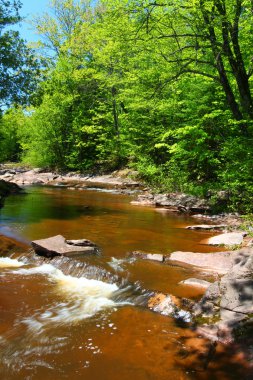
column 30, row 8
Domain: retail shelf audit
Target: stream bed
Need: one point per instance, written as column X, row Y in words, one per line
column 57, row 323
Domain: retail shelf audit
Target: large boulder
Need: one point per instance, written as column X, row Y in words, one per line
column 59, row 246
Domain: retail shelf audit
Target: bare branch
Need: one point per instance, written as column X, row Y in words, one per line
column 175, row 35
column 216, row 78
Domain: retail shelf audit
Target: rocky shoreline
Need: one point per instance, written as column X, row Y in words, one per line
column 25, row 177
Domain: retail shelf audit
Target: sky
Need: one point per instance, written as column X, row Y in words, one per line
column 30, row 8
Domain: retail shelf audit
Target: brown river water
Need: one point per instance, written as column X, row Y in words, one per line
column 57, row 321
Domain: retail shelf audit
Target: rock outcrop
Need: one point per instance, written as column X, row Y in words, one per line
column 227, row 305
column 182, row 202
column 176, row 202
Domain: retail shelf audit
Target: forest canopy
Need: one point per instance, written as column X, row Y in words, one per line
column 164, row 87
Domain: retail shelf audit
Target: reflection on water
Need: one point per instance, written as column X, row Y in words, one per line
column 108, row 219
column 66, row 319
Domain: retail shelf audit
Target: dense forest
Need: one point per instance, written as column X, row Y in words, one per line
column 163, row 87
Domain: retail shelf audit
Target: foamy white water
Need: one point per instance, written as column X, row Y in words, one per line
column 69, row 312
column 47, row 269
column 69, row 284
column 7, row 262
column 85, row 297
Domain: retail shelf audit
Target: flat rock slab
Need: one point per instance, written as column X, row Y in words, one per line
column 59, row 246
column 207, row 227
column 229, row 239
column 219, row 262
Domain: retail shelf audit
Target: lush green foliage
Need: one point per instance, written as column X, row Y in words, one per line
column 164, row 86
column 18, row 66
column 11, row 124
column 18, row 74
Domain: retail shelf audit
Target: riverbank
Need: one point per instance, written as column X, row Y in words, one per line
column 122, row 181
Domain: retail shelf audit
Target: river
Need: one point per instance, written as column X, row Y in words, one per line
column 58, row 323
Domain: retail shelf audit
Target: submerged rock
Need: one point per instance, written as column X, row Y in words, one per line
column 59, row 246
column 147, row 256
column 196, row 282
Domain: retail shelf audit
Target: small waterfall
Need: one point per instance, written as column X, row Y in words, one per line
column 75, row 268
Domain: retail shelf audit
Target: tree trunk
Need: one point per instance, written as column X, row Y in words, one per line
column 217, row 54
column 233, row 105
column 231, row 48
column 115, row 112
